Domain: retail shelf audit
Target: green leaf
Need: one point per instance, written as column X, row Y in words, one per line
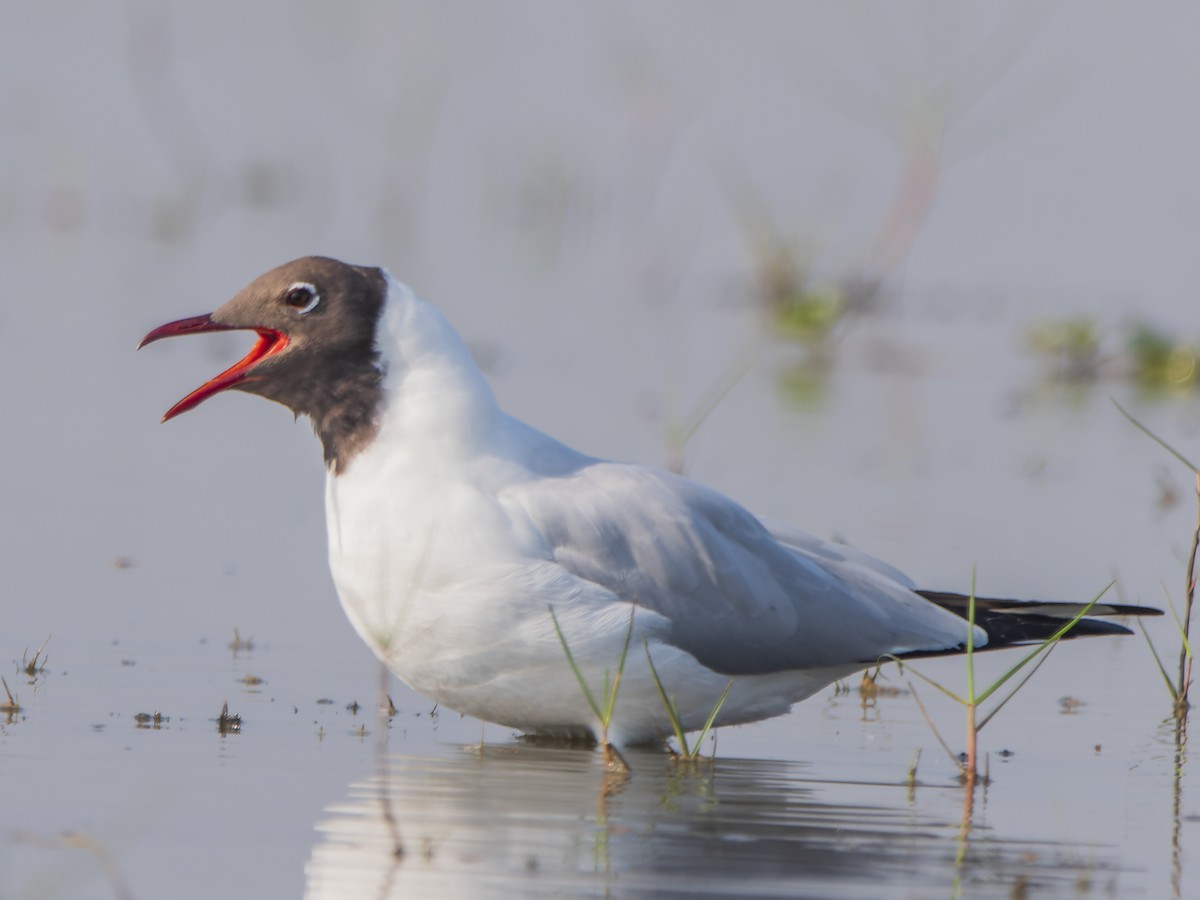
column 587, row 692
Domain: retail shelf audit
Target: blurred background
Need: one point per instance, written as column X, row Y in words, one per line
column 873, row 269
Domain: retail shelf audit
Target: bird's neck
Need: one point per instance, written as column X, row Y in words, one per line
column 346, row 416
column 435, row 399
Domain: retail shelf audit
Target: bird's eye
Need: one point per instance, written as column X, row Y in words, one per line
column 302, row 297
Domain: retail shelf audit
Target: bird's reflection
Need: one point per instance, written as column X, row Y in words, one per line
column 518, row 820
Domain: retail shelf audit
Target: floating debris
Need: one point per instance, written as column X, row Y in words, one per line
column 9, row 706
column 37, row 665
column 1070, row 705
column 239, row 643
column 227, row 724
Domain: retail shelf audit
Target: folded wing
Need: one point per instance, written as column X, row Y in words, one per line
column 739, row 600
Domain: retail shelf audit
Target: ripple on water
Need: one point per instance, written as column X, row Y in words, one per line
column 533, row 821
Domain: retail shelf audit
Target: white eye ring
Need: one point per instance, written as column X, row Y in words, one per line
column 302, row 297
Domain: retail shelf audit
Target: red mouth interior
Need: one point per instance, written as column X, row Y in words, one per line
column 269, row 343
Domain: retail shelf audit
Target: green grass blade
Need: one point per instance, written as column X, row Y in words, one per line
column 937, row 734
column 1048, row 642
column 610, row 698
column 1158, row 661
column 1183, row 631
column 1020, row 684
column 680, row 434
column 712, row 717
column 945, row 690
column 668, row 704
column 587, row 692
column 1154, row 437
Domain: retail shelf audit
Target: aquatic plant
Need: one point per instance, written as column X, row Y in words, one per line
column 973, row 699
column 35, row 666
column 1154, row 359
column 803, row 307
column 1070, row 345
column 604, row 707
column 686, row 753
column 9, row 706
column 1180, row 686
column 603, row 710
column 1160, row 362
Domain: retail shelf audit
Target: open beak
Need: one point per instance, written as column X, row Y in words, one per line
column 268, row 344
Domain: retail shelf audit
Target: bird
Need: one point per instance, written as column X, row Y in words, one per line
column 498, row 572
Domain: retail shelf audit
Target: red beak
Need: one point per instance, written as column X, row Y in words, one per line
column 269, row 343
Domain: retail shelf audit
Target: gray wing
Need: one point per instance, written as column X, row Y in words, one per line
column 739, row 601
column 810, row 545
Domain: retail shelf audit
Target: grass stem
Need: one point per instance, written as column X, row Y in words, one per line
column 603, row 712
column 1179, row 690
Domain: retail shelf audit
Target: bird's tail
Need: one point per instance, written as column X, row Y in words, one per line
column 1010, row 622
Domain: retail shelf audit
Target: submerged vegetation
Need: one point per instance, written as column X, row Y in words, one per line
column 1070, row 347
column 1161, row 362
column 804, row 307
column 1079, row 350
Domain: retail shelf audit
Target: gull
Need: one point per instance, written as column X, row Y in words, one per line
column 471, row 551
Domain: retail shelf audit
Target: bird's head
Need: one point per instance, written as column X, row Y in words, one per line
column 316, row 354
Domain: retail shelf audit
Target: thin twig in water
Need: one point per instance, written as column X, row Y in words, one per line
column 10, row 705
column 1179, row 691
column 1154, row 437
column 680, row 434
column 1185, row 652
column 937, row 734
column 912, row 768
column 381, row 762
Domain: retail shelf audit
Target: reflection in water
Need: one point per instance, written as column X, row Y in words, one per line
column 1180, row 733
column 519, row 820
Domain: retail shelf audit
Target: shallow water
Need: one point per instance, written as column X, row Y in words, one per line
column 515, row 820
column 584, row 233
column 1081, row 799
